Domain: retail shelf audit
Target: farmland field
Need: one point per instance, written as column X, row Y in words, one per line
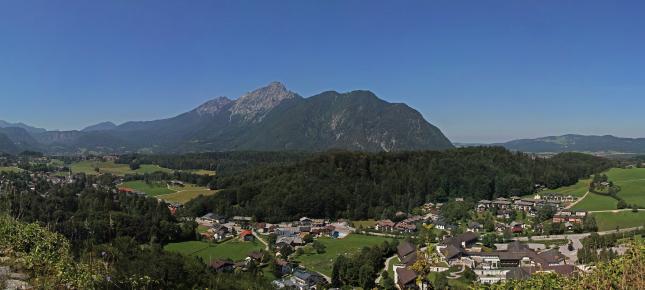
column 152, row 189
column 625, row 219
column 10, row 169
column 632, row 184
column 88, row 167
column 234, row 249
column 184, row 194
column 335, row 247
column 579, row 189
column 595, row 201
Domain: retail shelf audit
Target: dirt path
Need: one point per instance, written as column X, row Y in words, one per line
column 577, row 201
column 266, row 245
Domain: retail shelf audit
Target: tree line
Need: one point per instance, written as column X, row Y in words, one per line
column 360, row 185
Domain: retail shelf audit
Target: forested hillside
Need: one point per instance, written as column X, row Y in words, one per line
column 222, row 163
column 371, row 185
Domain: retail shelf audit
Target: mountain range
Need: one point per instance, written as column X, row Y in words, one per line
column 269, row 118
column 578, row 143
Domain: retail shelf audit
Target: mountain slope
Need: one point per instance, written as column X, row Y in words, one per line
column 580, row 143
column 7, row 146
column 268, row 118
column 100, row 127
column 30, row 129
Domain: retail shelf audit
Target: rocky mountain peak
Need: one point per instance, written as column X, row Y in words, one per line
column 213, row 106
column 255, row 104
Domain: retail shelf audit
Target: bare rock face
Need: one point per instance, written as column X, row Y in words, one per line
column 213, row 106
column 254, row 105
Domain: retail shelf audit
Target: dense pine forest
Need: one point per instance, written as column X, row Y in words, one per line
column 221, row 162
column 373, row 185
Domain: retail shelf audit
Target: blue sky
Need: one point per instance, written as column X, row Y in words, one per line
column 482, row 71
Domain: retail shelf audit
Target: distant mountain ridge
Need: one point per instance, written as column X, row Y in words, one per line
column 579, row 143
column 269, row 118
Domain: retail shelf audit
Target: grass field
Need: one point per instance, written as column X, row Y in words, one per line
column 201, row 172
column 233, row 249
column 595, row 201
column 88, row 167
column 625, row 219
column 365, row 224
column 579, row 189
column 184, row 194
column 152, row 189
column 335, row 247
column 10, row 169
column 632, row 184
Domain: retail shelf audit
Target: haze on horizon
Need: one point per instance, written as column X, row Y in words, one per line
column 481, row 72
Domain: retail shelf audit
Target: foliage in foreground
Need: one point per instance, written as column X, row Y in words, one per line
column 625, row 272
column 47, row 255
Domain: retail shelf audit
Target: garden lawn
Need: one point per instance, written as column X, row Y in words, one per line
column 88, row 167
column 632, row 184
column 235, row 250
column 624, row 219
column 334, row 247
column 595, row 201
column 151, row 189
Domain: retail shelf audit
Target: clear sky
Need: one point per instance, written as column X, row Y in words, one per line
column 480, row 70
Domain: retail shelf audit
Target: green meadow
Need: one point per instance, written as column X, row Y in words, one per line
column 632, row 184
column 89, row 167
column 335, row 247
column 152, row 189
column 624, row 219
column 235, row 250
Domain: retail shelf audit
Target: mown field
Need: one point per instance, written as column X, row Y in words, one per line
column 334, row 247
column 10, row 169
column 595, row 201
column 88, row 167
column 152, row 189
column 632, row 190
column 234, row 249
column 579, row 189
column 184, row 194
column 632, row 184
column 624, row 219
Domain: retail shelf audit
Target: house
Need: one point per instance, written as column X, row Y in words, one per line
column 384, row 225
column 465, row 240
column 246, row 235
column 307, row 280
column 407, row 253
column 405, row 227
column 475, row 227
column 256, row 256
column 219, row 232
column 441, row 224
column 501, row 203
column 406, row 278
column 483, row 205
column 222, row 266
column 242, row 220
column 517, row 227
column 576, row 217
column 283, row 266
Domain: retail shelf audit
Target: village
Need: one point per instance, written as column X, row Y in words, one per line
column 490, row 254
column 458, row 241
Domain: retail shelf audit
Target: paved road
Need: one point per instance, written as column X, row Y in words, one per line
column 387, row 262
column 569, row 236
